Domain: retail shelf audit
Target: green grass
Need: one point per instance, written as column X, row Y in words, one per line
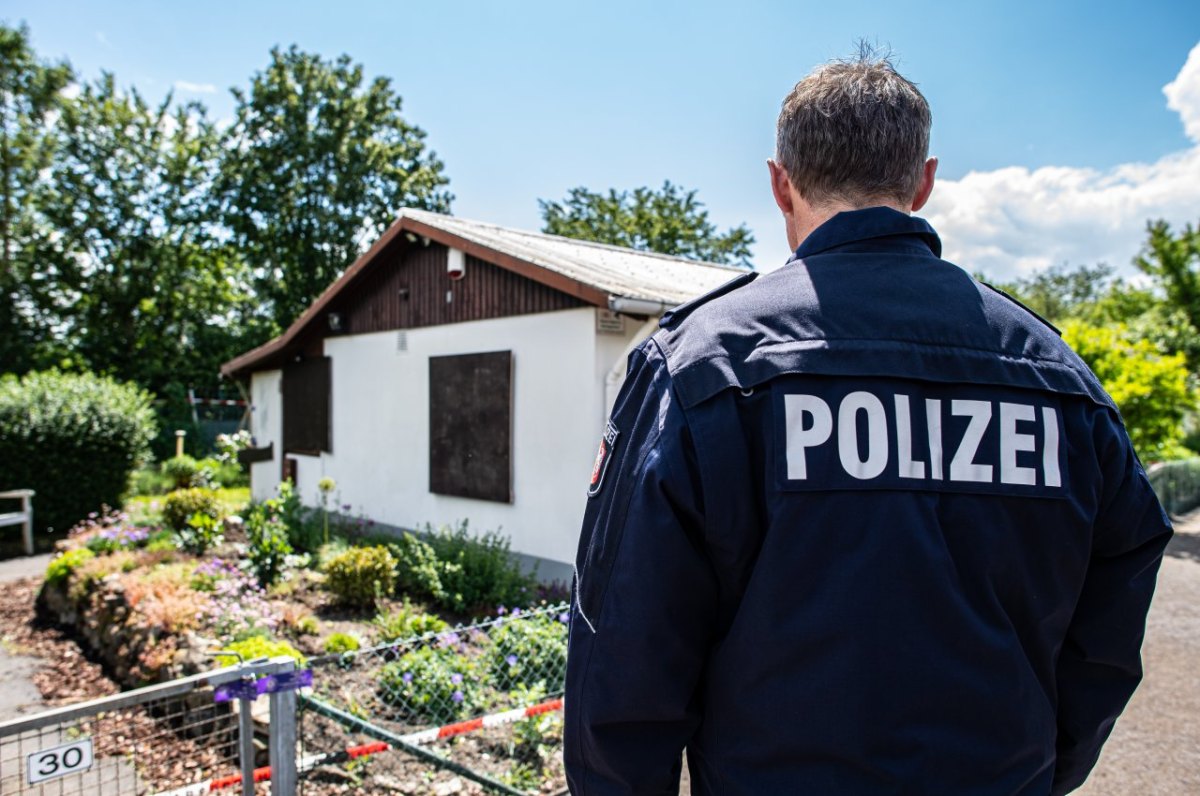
column 147, row 509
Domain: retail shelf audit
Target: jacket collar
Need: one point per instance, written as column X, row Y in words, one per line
column 853, row 226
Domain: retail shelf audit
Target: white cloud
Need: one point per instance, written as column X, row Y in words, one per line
column 1015, row 220
column 100, row 37
column 195, row 88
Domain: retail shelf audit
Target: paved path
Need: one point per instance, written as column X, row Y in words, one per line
column 17, row 692
column 1155, row 748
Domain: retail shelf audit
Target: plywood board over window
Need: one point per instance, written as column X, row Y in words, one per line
column 306, row 403
column 470, row 425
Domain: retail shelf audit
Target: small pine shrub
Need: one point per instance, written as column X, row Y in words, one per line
column 406, row 622
column 62, row 565
column 433, row 683
column 341, row 643
column 180, row 505
column 182, row 471
column 528, row 651
column 259, row 647
column 360, row 575
column 74, row 438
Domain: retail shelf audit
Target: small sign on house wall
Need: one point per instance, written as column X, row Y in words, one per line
column 609, row 322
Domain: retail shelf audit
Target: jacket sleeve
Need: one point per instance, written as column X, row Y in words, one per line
column 1100, row 663
column 644, row 596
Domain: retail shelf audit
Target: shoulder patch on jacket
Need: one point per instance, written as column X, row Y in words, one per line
column 673, row 316
column 1021, row 304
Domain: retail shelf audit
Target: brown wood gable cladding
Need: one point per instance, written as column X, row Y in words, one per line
column 407, row 289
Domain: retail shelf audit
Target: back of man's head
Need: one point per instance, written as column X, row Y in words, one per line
column 854, row 131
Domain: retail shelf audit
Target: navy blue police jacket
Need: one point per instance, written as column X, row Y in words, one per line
column 861, row 525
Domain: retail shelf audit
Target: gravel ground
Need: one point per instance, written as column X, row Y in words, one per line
column 1155, row 748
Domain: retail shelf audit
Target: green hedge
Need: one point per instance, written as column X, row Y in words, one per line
column 74, row 438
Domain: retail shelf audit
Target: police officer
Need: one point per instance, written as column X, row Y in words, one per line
column 861, row 525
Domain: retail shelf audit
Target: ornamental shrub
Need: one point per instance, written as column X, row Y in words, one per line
column 341, row 643
column 180, row 505
column 61, row 566
column 182, row 470
column 433, row 683
column 462, row 572
column 259, row 647
column 74, row 438
column 360, row 575
column 268, row 543
column 528, row 651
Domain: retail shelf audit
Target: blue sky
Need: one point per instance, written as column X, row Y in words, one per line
column 1055, row 137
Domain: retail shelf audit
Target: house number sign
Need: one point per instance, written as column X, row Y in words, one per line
column 59, row 761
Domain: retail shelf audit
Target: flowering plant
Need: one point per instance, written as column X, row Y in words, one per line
column 237, row 607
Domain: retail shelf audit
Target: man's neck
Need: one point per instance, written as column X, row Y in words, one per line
column 810, row 216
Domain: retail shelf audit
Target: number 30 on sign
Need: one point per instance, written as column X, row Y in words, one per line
column 59, row 761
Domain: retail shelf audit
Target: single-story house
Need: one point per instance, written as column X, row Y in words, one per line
column 460, row 370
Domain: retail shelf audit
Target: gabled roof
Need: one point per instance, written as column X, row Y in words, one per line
column 596, row 273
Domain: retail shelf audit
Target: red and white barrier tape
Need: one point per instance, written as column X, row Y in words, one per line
column 309, row 762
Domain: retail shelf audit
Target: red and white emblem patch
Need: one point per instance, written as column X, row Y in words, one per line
column 607, row 443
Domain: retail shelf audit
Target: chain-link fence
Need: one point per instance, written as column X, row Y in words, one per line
column 1177, row 484
column 174, row 738
column 481, row 701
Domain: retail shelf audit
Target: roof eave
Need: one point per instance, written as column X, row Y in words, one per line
column 246, row 363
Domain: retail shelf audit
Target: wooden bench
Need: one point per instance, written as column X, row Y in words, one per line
column 24, row 517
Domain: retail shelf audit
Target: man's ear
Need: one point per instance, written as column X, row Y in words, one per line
column 926, row 185
column 781, row 187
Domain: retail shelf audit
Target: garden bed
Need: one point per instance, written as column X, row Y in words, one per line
column 405, row 633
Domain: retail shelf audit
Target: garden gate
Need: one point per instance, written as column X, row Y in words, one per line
column 186, row 737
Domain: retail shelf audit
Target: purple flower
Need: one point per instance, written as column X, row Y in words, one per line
column 516, row 612
column 501, row 610
column 346, row 507
column 564, row 617
column 407, row 677
column 511, row 660
column 456, row 678
column 457, row 696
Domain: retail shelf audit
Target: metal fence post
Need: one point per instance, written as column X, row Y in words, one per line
column 282, row 739
column 246, row 746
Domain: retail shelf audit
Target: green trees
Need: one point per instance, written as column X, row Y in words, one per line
column 140, row 241
column 1140, row 338
column 667, row 221
column 139, row 274
column 1150, row 387
column 315, row 167
column 30, row 94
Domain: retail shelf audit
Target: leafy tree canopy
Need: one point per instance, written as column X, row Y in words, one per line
column 316, row 165
column 1149, row 387
column 30, row 95
column 141, row 284
column 668, row 221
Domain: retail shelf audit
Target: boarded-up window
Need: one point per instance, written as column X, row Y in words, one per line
column 306, row 400
column 470, row 426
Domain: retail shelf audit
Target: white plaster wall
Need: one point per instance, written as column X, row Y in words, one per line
column 380, row 456
column 266, row 426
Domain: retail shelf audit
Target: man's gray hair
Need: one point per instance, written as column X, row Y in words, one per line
column 855, row 131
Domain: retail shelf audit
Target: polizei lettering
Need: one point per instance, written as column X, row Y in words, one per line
column 922, row 438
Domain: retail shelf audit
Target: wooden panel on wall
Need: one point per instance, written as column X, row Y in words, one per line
column 307, row 390
column 408, row 288
column 470, row 426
